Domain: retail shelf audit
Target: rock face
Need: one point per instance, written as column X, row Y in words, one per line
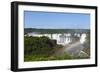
column 64, row 38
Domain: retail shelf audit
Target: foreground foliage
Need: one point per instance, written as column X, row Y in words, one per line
column 41, row 49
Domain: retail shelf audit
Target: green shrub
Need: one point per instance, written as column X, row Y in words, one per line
column 39, row 45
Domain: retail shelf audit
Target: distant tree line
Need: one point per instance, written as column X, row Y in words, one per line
column 51, row 31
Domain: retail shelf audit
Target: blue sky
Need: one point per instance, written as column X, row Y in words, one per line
column 53, row 20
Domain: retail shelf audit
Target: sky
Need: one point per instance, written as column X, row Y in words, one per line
column 56, row 20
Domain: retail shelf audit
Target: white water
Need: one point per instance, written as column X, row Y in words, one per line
column 62, row 39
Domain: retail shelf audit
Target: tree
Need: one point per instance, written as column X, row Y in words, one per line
column 38, row 45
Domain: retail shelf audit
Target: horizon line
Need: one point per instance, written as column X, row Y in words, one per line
column 55, row 28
